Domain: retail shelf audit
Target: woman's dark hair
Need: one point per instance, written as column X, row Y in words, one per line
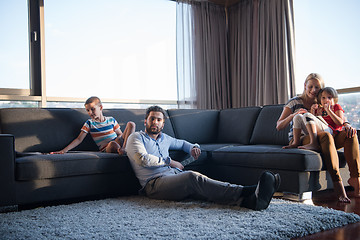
column 155, row 109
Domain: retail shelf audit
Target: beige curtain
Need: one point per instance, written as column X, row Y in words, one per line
column 235, row 57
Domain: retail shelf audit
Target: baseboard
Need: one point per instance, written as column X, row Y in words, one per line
column 298, row 197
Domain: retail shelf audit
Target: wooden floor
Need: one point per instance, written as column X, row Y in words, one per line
column 348, row 232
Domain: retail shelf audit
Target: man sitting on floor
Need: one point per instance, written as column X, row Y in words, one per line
column 163, row 178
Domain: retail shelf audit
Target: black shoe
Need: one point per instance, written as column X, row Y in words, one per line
column 268, row 184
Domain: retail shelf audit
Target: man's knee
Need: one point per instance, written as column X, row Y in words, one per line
column 193, row 176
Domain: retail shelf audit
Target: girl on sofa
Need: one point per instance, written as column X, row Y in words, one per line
column 346, row 138
column 328, row 116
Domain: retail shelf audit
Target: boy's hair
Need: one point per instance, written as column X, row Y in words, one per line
column 93, row 99
column 155, row 109
column 330, row 91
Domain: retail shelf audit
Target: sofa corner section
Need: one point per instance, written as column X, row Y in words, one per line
column 7, row 170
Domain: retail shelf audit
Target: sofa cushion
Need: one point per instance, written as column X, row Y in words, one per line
column 268, row 157
column 195, row 126
column 265, row 127
column 236, row 125
column 47, row 166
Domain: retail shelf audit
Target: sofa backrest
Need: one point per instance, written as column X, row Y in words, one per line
column 265, row 127
column 236, row 125
column 137, row 116
column 51, row 129
column 43, row 130
column 194, row 125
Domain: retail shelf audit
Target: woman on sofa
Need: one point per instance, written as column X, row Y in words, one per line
column 347, row 138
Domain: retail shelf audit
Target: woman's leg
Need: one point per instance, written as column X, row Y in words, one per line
column 351, row 152
column 331, row 160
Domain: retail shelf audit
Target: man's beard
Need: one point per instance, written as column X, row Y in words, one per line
column 155, row 130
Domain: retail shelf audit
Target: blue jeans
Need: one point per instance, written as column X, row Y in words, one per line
column 190, row 184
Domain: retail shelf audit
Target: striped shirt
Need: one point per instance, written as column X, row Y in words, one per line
column 294, row 104
column 101, row 132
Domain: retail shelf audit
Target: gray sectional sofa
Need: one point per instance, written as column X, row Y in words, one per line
column 237, row 145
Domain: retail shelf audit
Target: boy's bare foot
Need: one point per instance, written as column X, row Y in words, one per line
column 340, row 192
column 293, row 145
column 310, row 146
column 355, row 183
column 121, row 151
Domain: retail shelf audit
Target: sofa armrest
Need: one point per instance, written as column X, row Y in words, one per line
column 7, row 170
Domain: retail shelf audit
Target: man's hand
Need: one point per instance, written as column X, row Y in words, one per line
column 176, row 164
column 195, row 152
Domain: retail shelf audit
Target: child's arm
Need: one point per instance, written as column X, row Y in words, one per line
column 118, row 132
column 314, row 109
column 337, row 117
column 73, row 144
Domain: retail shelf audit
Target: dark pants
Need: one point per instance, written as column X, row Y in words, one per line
column 190, row 184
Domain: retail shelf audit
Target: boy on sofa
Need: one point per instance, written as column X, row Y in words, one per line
column 105, row 131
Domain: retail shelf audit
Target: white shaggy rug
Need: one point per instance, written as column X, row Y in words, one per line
column 138, row 217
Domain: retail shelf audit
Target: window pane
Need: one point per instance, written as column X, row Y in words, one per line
column 19, row 104
column 351, row 105
column 111, row 49
column 327, row 41
column 14, row 46
column 106, row 105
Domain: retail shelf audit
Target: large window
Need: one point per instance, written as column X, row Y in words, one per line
column 14, row 45
column 327, row 42
column 122, row 51
column 111, row 49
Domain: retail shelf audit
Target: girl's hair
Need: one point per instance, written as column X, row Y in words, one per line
column 330, row 91
column 313, row 76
